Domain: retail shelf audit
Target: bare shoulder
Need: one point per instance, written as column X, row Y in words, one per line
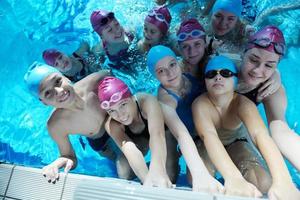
column 57, row 123
column 201, row 100
column 243, row 104
column 166, row 98
column 92, row 80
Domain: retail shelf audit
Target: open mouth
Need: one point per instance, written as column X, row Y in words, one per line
column 64, row 96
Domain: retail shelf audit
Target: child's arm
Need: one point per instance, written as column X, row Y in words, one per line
column 235, row 184
column 202, row 180
column 282, row 185
column 132, row 153
column 157, row 175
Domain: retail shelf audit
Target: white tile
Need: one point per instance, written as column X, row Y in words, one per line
column 29, row 184
column 5, row 171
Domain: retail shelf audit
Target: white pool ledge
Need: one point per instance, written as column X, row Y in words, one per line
column 24, row 183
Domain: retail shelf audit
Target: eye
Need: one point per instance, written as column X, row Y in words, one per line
column 173, row 64
column 184, row 46
column 58, row 82
column 160, row 71
column 198, row 44
column 218, row 16
column 231, row 18
column 269, row 66
column 152, row 31
column 253, row 60
column 48, row 94
column 111, row 112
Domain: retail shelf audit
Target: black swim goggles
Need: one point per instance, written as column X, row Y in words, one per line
column 266, row 42
column 226, row 73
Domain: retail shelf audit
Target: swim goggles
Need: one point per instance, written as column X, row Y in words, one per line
column 194, row 34
column 266, row 42
column 158, row 16
column 113, row 99
column 225, row 73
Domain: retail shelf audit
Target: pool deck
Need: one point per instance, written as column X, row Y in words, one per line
column 22, row 183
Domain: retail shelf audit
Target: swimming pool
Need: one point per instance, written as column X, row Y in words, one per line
column 27, row 29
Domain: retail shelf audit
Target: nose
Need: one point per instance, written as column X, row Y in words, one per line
column 58, row 91
column 224, row 23
column 258, row 68
column 218, row 77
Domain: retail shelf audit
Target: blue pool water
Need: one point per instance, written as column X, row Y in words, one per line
column 27, row 28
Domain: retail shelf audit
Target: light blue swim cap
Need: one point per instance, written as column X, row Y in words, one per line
column 36, row 73
column 222, row 62
column 232, row 6
column 155, row 54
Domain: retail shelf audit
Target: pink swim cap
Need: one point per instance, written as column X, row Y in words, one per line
column 160, row 17
column 50, row 55
column 269, row 38
column 100, row 18
column 190, row 29
column 111, row 90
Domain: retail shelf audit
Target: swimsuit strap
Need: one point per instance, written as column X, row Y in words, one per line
column 79, row 58
column 139, row 109
column 176, row 97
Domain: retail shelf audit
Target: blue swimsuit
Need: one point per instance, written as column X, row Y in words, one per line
column 184, row 109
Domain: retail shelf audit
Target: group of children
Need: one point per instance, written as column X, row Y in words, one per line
column 205, row 104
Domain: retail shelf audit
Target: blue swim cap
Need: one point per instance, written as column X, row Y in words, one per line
column 157, row 53
column 222, row 62
column 36, row 73
column 232, row 6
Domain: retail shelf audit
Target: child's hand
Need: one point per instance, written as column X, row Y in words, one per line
column 208, row 184
column 240, row 187
column 156, row 178
column 283, row 191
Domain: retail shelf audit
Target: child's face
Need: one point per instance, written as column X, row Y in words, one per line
column 168, row 72
column 63, row 63
column 56, row 90
column 258, row 66
column 113, row 32
column 152, row 34
column 223, row 22
column 123, row 111
column 192, row 50
column 219, row 84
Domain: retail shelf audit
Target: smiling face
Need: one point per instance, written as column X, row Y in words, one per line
column 63, row 63
column 258, row 66
column 123, row 111
column 168, row 72
column 113, row 32
column 152, row 34
column 56, row 90
column 223, row 22
column 192, row 50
